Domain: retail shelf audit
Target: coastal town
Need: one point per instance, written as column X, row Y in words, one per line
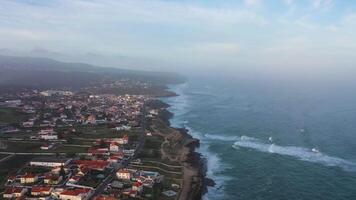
column 85, row 144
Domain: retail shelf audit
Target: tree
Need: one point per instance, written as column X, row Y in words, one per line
column 102, row 144
column 62, row 172
column 70, row 154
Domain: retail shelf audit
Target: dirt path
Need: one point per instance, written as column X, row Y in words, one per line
column 181, row 154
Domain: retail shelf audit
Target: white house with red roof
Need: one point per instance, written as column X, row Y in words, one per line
column 124, row 174
column 14, row 192
column 40, row 191
column 92, row 164
column 137, row 186
column 52, row 179
column 75, row 194
column 114, row 147
column 28, row 178
column 113, row 158
column 74, row 179
column 123, row 140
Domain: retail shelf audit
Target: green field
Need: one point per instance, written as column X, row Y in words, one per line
column 22, row 147
column 11, row 116
column 11, row 166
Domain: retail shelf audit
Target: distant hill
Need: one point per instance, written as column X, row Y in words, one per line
column 30, row 72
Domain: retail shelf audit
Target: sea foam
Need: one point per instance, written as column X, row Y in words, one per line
column 300, row 153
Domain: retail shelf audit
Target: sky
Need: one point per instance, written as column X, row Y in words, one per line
column 282, row 36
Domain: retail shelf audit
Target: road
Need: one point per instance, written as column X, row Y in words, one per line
column 114, row 169
column 124, row 163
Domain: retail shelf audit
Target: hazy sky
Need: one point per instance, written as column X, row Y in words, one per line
column 209, row 34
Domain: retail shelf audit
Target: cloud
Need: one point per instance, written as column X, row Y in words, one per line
column 215, row 49
column 253, row 2
column 288, row 2
column 322, row 4
column 191, row 31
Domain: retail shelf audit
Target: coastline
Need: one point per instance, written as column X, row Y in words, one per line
column 195, row 182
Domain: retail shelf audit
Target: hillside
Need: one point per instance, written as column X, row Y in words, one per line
column 44, row 73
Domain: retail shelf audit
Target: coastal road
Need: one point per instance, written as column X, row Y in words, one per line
column 124, row 163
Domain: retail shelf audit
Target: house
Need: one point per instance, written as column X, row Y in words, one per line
column 114, row 147
column 129, row 152
column 52, row 179
column 39, row 191
column 49, row 137
column 123, row 128
column 137, row 186
column 14, row 192
column 113, row 159
column 169, row 193
column 123, row 140
column 46, row 131
column 83, row 170
column 75, row 194
column 11, row 179
column 99, row 151
column 124, row 174
column 92, row 164
column 150, row 175
column 153, row 112
column 50, row 161
column 91, row 119
column 47, row 146
column 104, row 197
column 28, row 124
column 74, row 179
column 148, row 183
column 131, row 193
column 119, row 154
column 28, row 178
column 117, row 185
column 56, row 170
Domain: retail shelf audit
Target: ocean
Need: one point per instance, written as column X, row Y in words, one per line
column 272, row 139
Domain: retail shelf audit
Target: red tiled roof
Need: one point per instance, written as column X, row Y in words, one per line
column 75, row 192
column 51, row 176
column 11, row 177
column 137, row 184
column 76, row 178
column 40, row 189
column 105, row 198
column 123, row 171
column 12, row 190
column 113, row 143
column 28, row 176
column 92, row 164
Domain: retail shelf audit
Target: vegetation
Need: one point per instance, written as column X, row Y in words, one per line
column 19, row 73
column 22, row 147
column 11, row 116
column 11, row 166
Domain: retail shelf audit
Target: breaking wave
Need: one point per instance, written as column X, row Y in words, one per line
column 221, row 137
column 300, row 153
column 180, row 106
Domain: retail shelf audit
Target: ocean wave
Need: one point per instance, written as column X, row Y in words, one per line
column 221, row 137
column 300, row 153
column 215, row 166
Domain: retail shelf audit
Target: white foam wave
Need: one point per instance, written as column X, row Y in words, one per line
column 296, row 152
column 180, row 106
column 221, row 137
column 214, row 168
column 227, row 138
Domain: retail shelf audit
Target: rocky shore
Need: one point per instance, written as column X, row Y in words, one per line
column 195, row 182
